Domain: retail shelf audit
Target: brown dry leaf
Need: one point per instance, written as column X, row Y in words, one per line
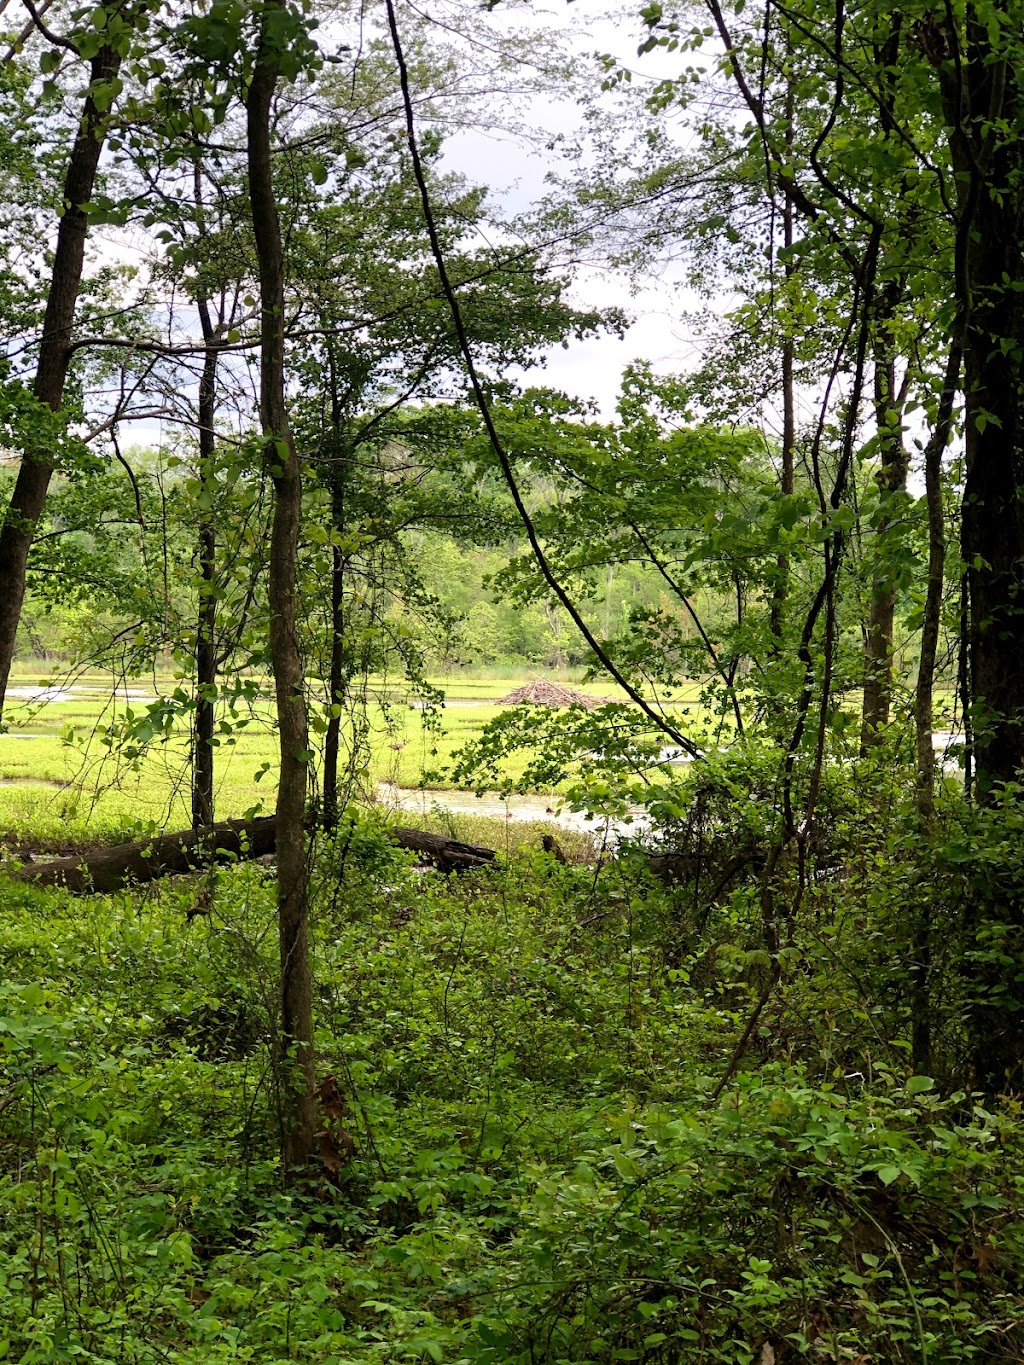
column 985, row 1256
column 331, row 1098
column 767, row 1354
column 330, row 1153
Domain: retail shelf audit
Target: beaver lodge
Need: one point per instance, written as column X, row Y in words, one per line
column 550, row 694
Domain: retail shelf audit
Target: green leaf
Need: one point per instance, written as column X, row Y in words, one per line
column 918, row 1084
column 625, row 1165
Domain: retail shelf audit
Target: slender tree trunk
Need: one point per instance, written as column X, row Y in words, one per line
column 298, row 1078
column 206, row 626
column 892, row 479
column 920, row 990
column 336, row 689
column 924, row 692
column 336, row 670
column 787, row 482
column 964, row 684
column 337, row 474
column 37, row 466
column 893, row 458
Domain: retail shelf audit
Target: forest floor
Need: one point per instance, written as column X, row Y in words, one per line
column 529, row 1162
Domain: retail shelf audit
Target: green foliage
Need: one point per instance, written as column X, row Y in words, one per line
column 527, row 1056
column 685, row 512
column 706, row 1100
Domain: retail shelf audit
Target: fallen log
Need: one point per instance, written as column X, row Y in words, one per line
column 448, row 854
column 109, row 869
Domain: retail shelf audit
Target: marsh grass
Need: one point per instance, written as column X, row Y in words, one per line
column 66, row 780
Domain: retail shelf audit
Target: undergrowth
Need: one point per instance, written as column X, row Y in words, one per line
column 534, row 1164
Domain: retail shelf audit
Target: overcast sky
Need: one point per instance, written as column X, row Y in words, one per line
column 514, row 168
column 515, row 172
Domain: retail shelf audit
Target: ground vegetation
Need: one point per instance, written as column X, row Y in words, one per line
column 490, row 876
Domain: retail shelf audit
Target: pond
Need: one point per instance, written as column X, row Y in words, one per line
column 546, row 808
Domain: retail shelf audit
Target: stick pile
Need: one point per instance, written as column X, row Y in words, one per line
column 542, row 693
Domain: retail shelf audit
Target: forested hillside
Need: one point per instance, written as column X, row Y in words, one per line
column 510, row 840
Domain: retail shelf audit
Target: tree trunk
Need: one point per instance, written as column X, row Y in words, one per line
column 924, row 691
column 982, row 97
column 920, row 990
column 37, row 466
column 787, row 483
column 336, row 670
column 110, row 869
column 892, row 479
column 206, row 626
column 893, row 458
column 336, row 679
column 993, row 551
column 993, row 503
column 983, row 92
column 297, row 1072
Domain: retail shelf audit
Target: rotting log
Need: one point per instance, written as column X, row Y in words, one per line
column 109, row 869
column 448, row 854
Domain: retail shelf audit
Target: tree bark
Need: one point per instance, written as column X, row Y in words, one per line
column 983, row 94
column 993, row 502
column 110, row 869
column 892, row 479
column 336, row 679
column 787, row 486
column 787, row 482
column 993, row 551
column 37, row 466
column 336, row 669
column 893, row 457
column 206, row 625
column 297, row 1072
column 920, row 989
